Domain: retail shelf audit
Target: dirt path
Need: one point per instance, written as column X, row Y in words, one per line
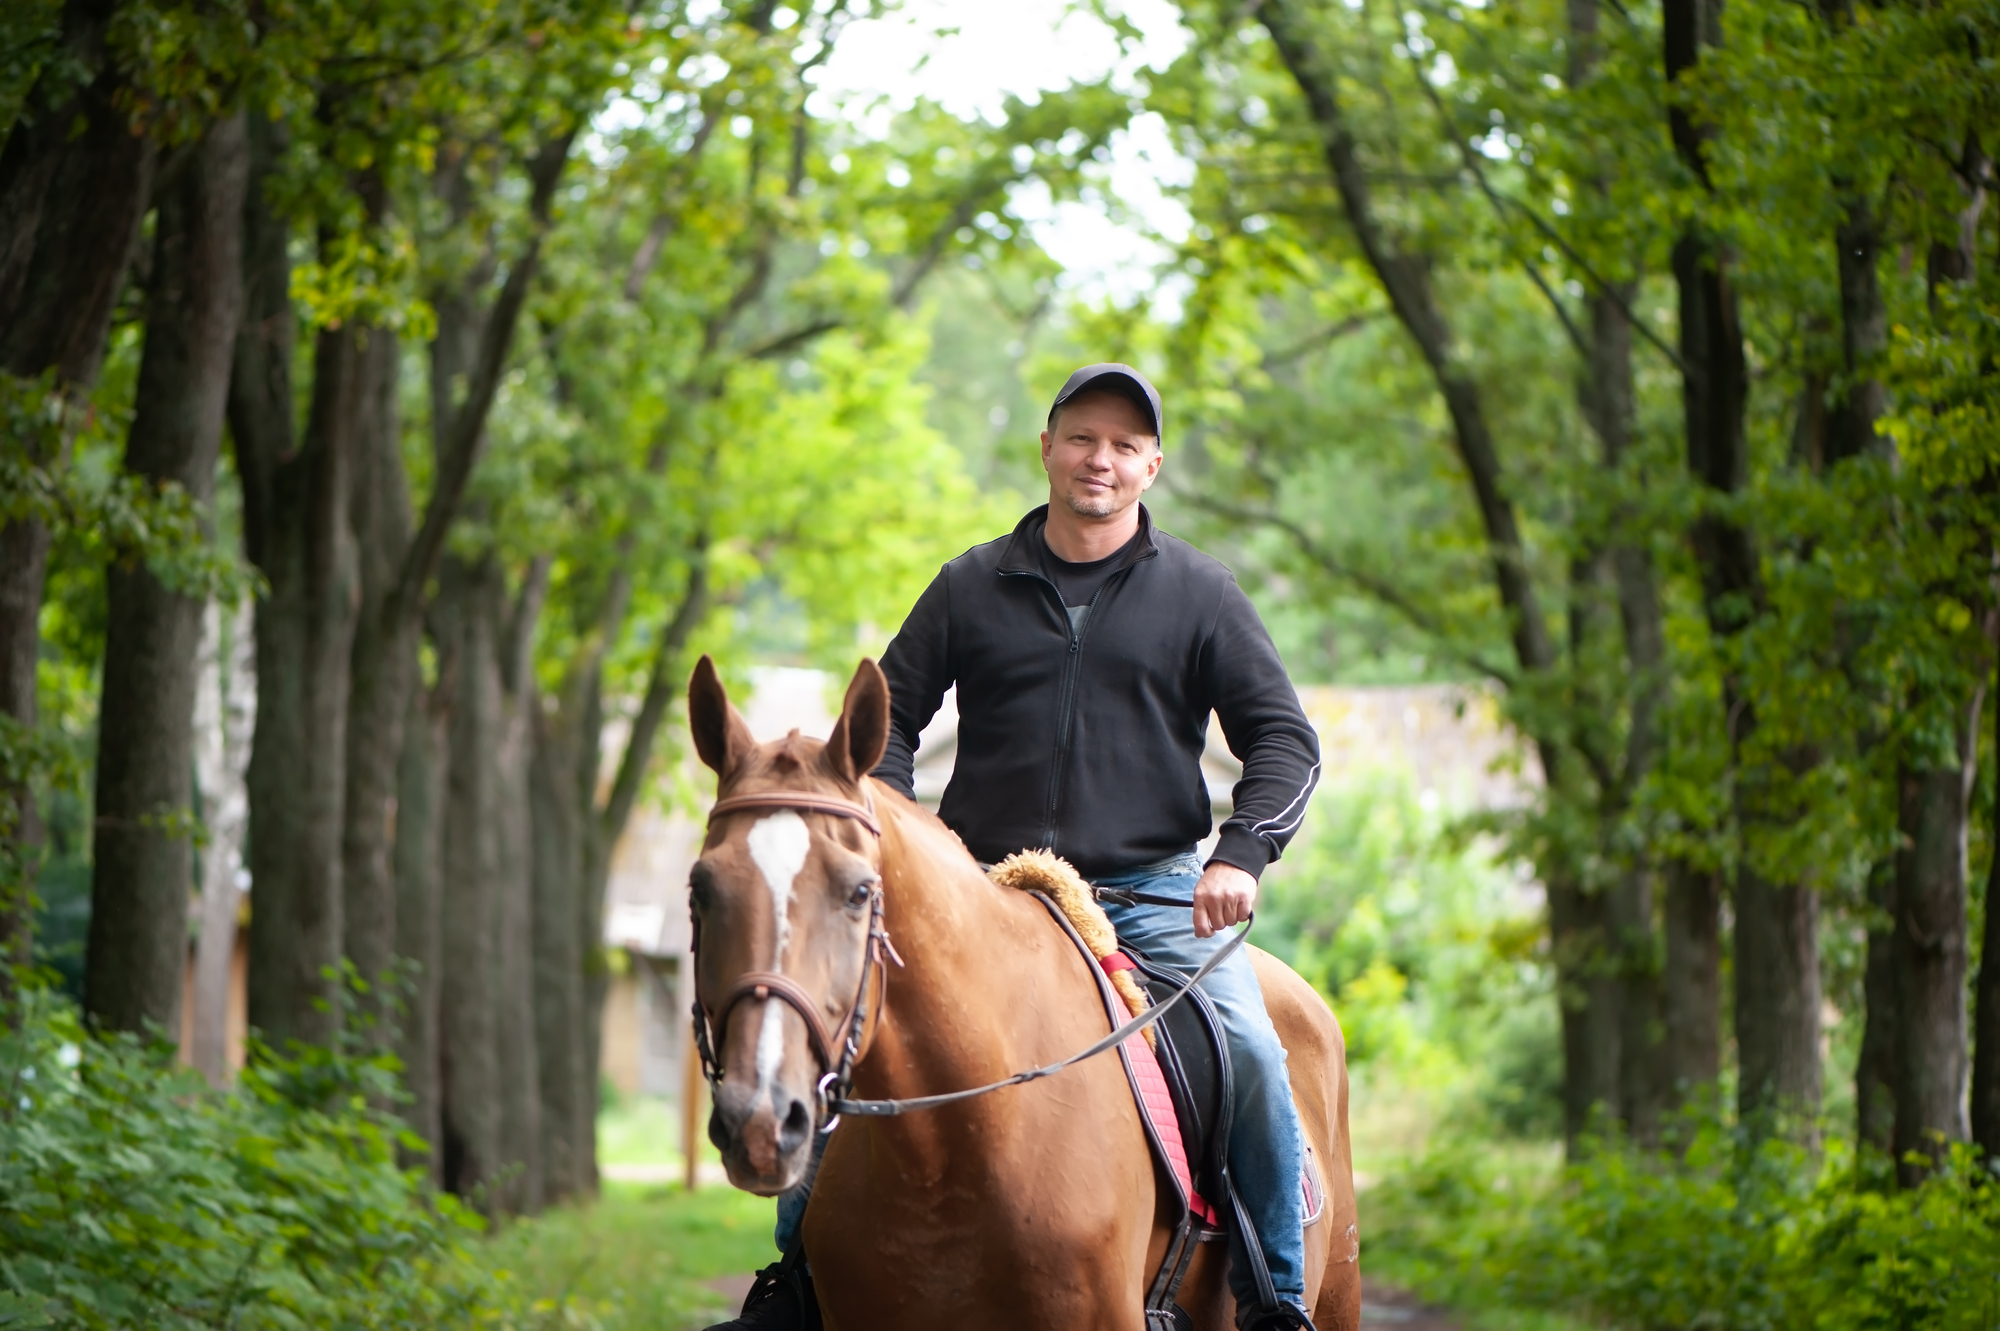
column 1384, row 1306
column 1381, row 1306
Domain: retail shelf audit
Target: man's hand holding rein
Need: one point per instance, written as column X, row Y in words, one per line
column 1224, row 896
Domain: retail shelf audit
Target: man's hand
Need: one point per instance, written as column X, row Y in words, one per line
column 1223, row 897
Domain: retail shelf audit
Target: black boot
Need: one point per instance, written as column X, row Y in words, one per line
column 781, row 1300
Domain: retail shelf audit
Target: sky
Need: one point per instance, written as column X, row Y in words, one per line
column 969, row 54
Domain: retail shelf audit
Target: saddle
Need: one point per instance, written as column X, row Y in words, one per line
column 1192, row 1058
column 1180, row 1079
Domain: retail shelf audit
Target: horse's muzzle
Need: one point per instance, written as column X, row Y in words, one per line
column 765, row 1140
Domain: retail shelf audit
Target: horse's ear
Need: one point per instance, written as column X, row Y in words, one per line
column 862, row 733
column 720, row 736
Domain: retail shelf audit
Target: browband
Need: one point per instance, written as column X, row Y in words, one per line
column 810, row 801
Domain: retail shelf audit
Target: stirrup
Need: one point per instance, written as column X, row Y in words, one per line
column 1284, row 1317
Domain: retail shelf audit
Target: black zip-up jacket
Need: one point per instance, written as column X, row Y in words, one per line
column 1089, row 742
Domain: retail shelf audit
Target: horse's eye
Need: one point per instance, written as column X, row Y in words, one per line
column 701, row 886
column 861, row 891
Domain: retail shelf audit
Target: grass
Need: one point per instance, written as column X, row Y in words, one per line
column 639, row 1258
column 641, row 1130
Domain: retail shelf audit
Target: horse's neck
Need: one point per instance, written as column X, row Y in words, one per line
column 961, row 940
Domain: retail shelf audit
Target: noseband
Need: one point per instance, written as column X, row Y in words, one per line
column 711, row 1028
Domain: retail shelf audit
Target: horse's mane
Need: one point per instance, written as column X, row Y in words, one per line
column 797, row 755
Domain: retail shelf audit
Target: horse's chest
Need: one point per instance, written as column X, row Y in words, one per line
column 1012, row 1237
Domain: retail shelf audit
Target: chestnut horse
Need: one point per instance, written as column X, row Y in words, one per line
column 1038, row 1206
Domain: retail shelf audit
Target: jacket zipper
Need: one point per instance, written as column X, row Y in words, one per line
column 1066, row 700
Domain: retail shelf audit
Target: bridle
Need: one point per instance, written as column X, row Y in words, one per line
column 710, row 1028
column 838, row 1074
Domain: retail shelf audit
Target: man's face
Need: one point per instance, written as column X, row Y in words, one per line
column 1101, row 455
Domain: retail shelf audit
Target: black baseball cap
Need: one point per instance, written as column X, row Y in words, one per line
column 1111, row 377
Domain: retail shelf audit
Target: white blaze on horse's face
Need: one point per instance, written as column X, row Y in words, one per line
column 779, row 844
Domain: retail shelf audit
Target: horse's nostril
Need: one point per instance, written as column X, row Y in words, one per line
column 718, row 1132
column 798, row 1126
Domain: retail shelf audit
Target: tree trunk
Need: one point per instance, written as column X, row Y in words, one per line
column 1777, row 997
column 1777, row 953
column 143, row 853
column 1957, row 261
column 400, row 557
column 1875, row 1068
column 569, row 914
column 295, row 521
column 1931, row 930
column 74, row 187
column 468, row 1024
column 594, row 853
column 1605, row 393
column 75, row 183
column 1629, row 912
column 1986, row 1060
column 297, row 782
column 1588, row 991
column 558, row 955
column 225, row 712
column 1864, row 332
column 1692, row 982
column 520, row 1069
column 381, row 676
column 1929, row 1057
column 606, row 825
column 24, row 552
column 421, row 774
column 1849, row 432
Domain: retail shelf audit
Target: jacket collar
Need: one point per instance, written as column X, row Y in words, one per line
column 1021, row 555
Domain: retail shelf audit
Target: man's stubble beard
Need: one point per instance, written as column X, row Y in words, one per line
column 1090, row 508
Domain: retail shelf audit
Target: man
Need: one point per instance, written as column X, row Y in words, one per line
column 1088, row 649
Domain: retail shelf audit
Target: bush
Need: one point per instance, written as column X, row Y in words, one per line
column 1728, row 1235
column 132, row 1195
column 1428, row 949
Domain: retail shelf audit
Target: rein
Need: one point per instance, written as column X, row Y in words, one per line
column 839, row 1074
column 891, row 1108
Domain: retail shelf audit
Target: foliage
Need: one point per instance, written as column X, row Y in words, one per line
column 1426, row 948
column 131, row 1195
column 637, row 1259
column 59, row 465
column 723, row 409
column 121, row 517
column 1729, row 1234
column 1529, row 166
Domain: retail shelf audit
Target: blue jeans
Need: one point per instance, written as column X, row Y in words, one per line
column 1266, row 1149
